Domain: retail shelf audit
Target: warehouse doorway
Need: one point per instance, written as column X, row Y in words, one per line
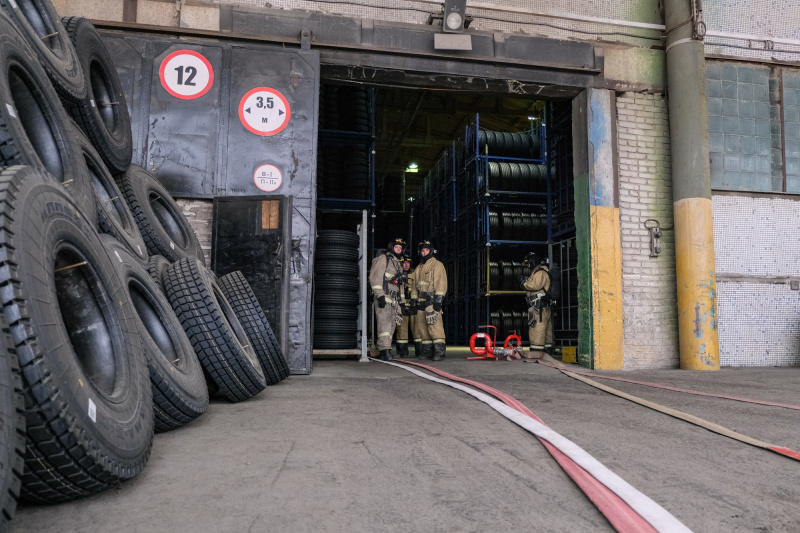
column 419, row 159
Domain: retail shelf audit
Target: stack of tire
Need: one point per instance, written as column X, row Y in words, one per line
column 343, row 169
column 336, row 295
column 110, row 319
column 523, row 145
column 516, row 226
column 508, row 322
column 524, row 177
column 343, row 172
column 506, row 275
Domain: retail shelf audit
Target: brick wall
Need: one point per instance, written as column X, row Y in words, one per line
column 200, row 213
column 650, row 319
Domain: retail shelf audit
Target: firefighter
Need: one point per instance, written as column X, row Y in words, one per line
column 430, row 287
column 386, row 278
column 540, row 326
column 408, row 309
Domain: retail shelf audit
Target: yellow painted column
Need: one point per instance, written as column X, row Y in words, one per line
column 606, row 287
column 697, row 285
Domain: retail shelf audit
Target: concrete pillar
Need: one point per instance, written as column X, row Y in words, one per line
column 597, row 231
column 691, row 185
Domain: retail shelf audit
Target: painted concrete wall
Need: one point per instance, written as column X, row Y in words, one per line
column 645, row 192
column 757, row 249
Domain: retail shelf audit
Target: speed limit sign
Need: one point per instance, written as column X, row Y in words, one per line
column 264, row 111
column 186, row 74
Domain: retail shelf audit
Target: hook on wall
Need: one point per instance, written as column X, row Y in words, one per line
column 656, row 231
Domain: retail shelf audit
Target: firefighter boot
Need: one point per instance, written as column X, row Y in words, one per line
column 438, row 351
column 386, row 355
column 427, row 351
column 418, row 349
column 402, row 349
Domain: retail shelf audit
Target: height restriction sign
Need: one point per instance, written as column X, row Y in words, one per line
column 264, row 111
column 185, row 74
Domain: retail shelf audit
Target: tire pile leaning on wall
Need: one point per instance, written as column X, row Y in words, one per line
column 112, row 327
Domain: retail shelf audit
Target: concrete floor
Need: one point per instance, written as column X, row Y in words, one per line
column 368, row 447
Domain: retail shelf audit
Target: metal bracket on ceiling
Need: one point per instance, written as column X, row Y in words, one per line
column 305, row 39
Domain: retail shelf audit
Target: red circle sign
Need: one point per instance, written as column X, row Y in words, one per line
column 268, row 178
column 185, row 74
column 264, row 111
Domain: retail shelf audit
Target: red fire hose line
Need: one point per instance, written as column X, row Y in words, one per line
column 622, row 516
column 687, row 391
column 716, row 428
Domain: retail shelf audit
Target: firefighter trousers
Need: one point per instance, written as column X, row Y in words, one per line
column 540, row 328
column 386, row 325
column 430, row 333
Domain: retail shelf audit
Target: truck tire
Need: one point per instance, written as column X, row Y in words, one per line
column 256, row 325
column 113, row 214
column 156, row 266
column 218, row 337
column 179, row 388
column 88, row 404
column 103, row 113
column 34, row 127
column 12, row 430
column 38, row 21
column 163, row 226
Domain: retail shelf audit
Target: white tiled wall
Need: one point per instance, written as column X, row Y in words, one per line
column 759, row 320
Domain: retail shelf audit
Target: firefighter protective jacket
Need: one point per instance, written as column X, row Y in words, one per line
column 538, row 282
column 430, row 279
column 383, row 269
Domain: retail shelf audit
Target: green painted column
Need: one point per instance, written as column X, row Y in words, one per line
column 598, row 236
column 691, row 182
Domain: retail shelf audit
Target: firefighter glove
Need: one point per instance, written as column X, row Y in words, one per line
column 430, row 315
column 437, row 306
column 398, row 319
column 382, row 301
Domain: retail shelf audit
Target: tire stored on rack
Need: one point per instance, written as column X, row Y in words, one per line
column 12, row 430
column 179, row 388
column 163, row 226
column 39, row 23
column 34, row 128
column 102, row 113
column 89, row 408
column 249, row 312
column 113, row 214
column 210, row 322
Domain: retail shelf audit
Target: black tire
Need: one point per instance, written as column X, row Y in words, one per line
column 337, row 283
column 341, row 268
column 38, row 21
column 328, row 297
column 335, row 237
column 336, row 326
column 156, row 266
column 255, row 323
column 114, row 217
column 12, row 429
column 335, row 342
column 103, row 113
column 163, row 226
column 34, row 128
column 218, row 337
column 88, row 404
column 180, row 393
column 340, row 254
column 326, row 312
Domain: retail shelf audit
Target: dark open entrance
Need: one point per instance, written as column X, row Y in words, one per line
column 422, row 164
